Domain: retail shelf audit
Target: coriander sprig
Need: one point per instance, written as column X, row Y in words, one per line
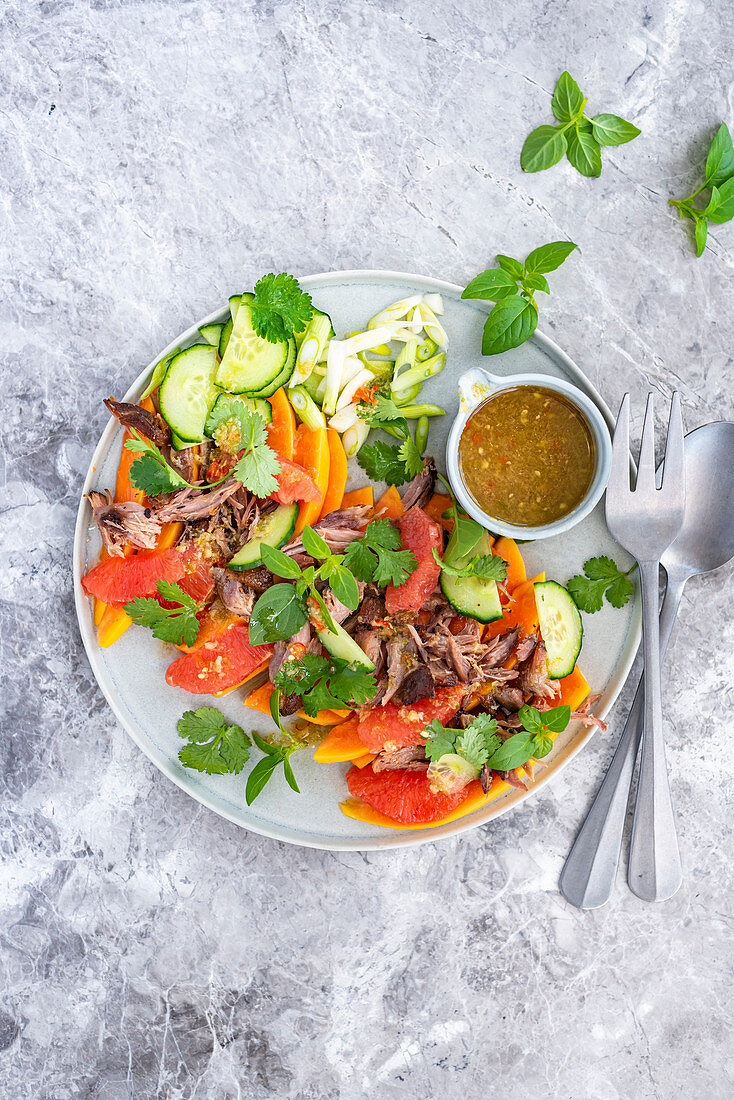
column 279, row 307
column 215, row 746
column 240, row 429
column 177, row 625
column 512, row 285
column 480, row 743
column 719, row 177
column 379, row 556
column 381, row 461
column 325, row 683
column 579, row 137
column 601, row 577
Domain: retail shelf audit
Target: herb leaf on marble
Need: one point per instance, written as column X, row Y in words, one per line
column 719, row 178
column 512, row 285
column 581, row 138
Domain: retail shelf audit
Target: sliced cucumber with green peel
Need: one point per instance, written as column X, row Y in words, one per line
column 283, row 377
column 234, row 305
column 343, row 647
column 560, row 627
column 188, row 392
column 250, row 364
column 212, row 334
column 473, row 596
column 255, row 404
column 275, row 530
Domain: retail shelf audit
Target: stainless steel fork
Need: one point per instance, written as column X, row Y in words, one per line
column 645, row 521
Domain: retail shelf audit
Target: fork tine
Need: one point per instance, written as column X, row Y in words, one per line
column 646, row 467
column 673, row 475
column 619, row 475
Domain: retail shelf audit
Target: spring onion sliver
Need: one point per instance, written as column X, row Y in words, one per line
column 395, row 312
column 354, row 437
column 425, row 350
column 421, row 433
column 312, row 347
column 406, row 397
column 432, row 325
column 346, row 397
column 419, row 373
column 413, row 412
column 434, row 302
column 345, row 418
column 308, row 411
column 406, row 358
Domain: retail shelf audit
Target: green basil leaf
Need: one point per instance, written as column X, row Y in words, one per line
column 720, row 159
column 511, row 323
column 265, row 746
column 713, row 204
column 531, row 719
column 549, row 256
column 556, row 719
column 543, row 148
column 344, row 587
column 613, row 130
column 259, row 776
column 511, row 266
column 724, row 212
column 289, row 776
column 514, row 752
column 702, row 232
column 534, row 281
column 278, row 614
column 313, row 544
column 279, row 563
column 584, row 153
column 568, row 99
column 492, row 285
column 542, row 745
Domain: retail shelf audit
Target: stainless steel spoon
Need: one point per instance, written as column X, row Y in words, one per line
column 705, row 543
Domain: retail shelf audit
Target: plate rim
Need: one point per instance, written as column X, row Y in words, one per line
column 403, row 838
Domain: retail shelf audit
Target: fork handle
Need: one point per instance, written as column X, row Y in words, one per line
column 589, row 873
column 654, row 869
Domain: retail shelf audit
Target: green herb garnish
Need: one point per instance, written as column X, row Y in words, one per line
column 177, row 625
column 386, row 414
column 719, row 177
column 325, row 683
column 579, row 137
column 512, row 286
column 216, row 746
column 602, row 577
column 480, row 743
column 379, row 555
column 279, row 308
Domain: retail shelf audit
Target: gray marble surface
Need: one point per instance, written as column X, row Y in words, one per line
column 157, row 156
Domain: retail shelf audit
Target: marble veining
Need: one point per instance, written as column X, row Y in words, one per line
column 157, row 155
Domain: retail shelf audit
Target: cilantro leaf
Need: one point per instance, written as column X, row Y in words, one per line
column 385, row 413
column 490, row 567
column 379, row 555
column 258, row 467
column 280, row 308
column 176, row 625
column 439, row 740
column 151, row 473
column 215, row 746
column 411, row 457
column 278, row 614
column 324, row 684
column 382, row 462
column 479, row 741
column 601, row 576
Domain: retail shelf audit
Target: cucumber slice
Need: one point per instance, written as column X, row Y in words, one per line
column 180, row 444
column 188, row 392
column 255, row 404
column 560, row 627
column 283, row 377
column 343, row 647
column 250, row 364
column 473, row 596
column 212, row 334
column 234, row 305
column 274, row 529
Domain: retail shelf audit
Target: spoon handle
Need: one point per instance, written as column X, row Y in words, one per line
column 590, row 870
column 654, row 869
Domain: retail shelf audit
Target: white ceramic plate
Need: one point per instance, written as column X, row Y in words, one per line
column 131, row 673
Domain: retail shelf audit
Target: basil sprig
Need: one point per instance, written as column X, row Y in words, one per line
column 512, row 286
column 579, row 137
column 719, row 177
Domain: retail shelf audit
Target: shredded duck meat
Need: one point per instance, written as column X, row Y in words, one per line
column 122, row 524
column 149, row 424
column 189, row 504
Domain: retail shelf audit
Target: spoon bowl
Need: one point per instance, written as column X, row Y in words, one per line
column 706, row 539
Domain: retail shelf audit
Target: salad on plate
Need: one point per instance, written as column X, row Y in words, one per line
column 388, row 631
